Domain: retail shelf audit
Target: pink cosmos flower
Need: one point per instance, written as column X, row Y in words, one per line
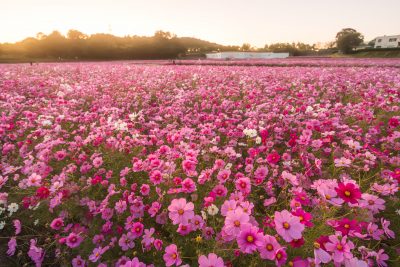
column 97, row 162
column 73, row 240
column 249, row 239
column 35, row 253
column 137, row 229
column 243, row 185
column 320, row 255
column 96, row 254
column 228, row 206
column 133, row 263
column 197, row 222
column 212, row 260
column 235, row 221
column 156, row 177
column 57, row 223
column 148, row 238
column 269, row 247
column 154, row 208
column 180, row 211
column 354, row 262
column 280, row 257
column 188, row 185
column 127, row 241
column 305, row 217
column 184, row 229
column 371, row 202
column 342, row 162
column 78, row 262
column 385, row 226
column 189, row 166
column 12, row 244
column 340, row 248
column 381, row 257
column 158, row 244
column 288, row 226
column 171, row 256
column 34, row 180
column 17, row 226
column 223, row 175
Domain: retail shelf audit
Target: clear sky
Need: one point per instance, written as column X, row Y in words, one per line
column 223, row 21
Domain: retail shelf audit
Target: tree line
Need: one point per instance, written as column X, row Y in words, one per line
column 162, row 45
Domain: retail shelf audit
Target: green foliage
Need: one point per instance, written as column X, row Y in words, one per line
column 347, row 39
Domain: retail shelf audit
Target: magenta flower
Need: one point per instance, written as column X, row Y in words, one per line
column 243, row 185
column 137, row 229
column 223, row 175
column 288, row 226
column 212, row 260
column 345, row 226
column 12, row 245
column 249, row 239
column 78, row 262
column 381, row 257
column 57, row 223
column 180, row 211
column 96, row 254
column 73, row 240
column 156, row 177
column 17, row 226
column 305, row 217
column 280, row 257
column 35, row 253
column 127, row 241
column 349, row 192
column 171, row 256
column 273, row 158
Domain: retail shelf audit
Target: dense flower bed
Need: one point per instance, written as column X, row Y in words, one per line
column 292, row 61
column 114, row 164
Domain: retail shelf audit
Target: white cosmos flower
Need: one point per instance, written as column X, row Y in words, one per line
column 212, row 210
column 13, row 207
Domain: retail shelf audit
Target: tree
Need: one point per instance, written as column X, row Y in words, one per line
column 347, row 39
column 76, row 35
column 246, row 47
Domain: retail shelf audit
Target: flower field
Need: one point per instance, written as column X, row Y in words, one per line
column 117, row 164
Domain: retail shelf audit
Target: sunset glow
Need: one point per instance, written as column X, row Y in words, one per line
column 227, row 22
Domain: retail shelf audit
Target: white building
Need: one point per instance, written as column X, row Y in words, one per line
column 246, row 55
column 387, row 41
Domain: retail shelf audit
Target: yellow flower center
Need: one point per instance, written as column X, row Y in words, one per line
column 174, row 256
column 269, row 247
column 181, row 211
column 339, row 247
column 317, row 245
column 328, row 197
column 347, row 193
column 237, row 223
column 286, row 225
column 250, row 238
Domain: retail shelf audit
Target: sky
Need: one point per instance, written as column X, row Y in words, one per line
column 227, row 22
